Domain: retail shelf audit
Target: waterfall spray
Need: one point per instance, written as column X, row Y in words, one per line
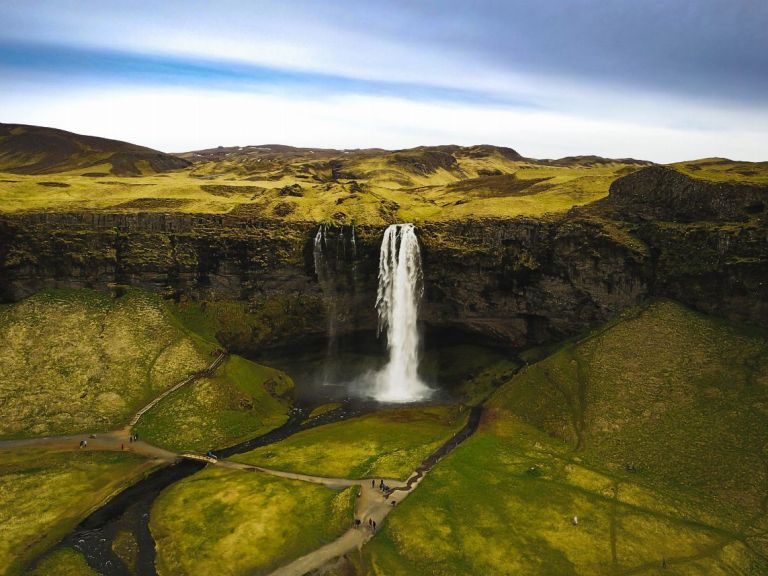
column 397, row 302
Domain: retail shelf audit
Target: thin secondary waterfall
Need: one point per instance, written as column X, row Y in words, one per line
column 400, row 290
column 327, row 285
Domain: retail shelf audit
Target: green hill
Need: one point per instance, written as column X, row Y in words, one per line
column 37, row 150
column 651, row 431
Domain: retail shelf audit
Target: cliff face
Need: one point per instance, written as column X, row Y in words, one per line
column 516, row 281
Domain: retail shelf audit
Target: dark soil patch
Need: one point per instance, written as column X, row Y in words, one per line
column 495, row 186
column 153, row 203
column 95, row 174
column 117, row 183
column 228, row 191
column 53, row 184
column 284, row 209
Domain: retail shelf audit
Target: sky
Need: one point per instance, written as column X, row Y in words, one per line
column 663, row 80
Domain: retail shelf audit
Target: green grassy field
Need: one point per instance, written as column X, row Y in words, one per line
column 63, row 562
column 232, row 522
column 79, row 360
column 43, row 495
column 390, row 443
column 241, row 400
column 651, row 431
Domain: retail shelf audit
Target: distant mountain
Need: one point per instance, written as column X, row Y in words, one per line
column 38, row 150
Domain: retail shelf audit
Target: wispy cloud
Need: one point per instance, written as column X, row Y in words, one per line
column 690, row 72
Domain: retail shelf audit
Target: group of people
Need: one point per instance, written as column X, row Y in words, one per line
column 371, row 524
column 133, row 438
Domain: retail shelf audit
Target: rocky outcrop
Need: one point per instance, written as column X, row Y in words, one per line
column 660, row 193
column 517, row 281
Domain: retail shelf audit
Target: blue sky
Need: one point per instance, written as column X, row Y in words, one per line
column 660, row 79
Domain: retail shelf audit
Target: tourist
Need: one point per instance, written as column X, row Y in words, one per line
column 373, row 525
column 373, row 483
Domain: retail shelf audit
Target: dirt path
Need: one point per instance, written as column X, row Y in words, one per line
column 188, row 380
column 116, row 441
column 371, row 503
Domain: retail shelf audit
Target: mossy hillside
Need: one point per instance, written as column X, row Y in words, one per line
column 43, row 495
column 63, row 562
column 261, row 321
column 390, row 443
column 504, row 501
column 233, row 522
column 650, row 430
column 241, row 400
column 79, row 360
column 673, row 394
column 724, row 170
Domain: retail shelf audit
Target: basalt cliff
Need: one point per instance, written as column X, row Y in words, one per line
column 513, row 281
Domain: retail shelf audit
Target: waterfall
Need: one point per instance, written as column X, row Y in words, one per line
column 327, row 285
column 397, row 302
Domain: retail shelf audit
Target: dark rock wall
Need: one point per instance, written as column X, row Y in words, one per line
column 516, row 281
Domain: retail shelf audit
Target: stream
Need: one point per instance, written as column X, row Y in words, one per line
column 129, row 510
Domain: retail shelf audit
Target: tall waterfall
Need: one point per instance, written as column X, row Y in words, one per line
column 397, row 302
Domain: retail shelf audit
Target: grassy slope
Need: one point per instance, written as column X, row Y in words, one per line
column 677, row 396
column 44, row 495
column 390, row 443
column 722, row 170
column 230, row 522
column 241, row 400
column 82, row 361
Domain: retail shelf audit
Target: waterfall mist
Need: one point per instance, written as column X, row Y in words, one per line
column 397, row 303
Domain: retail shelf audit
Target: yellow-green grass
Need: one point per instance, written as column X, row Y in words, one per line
column 323, row 409
column 79, row 360
column 241, row 400
column 651, row 431
column 674, row 394
column 504, row 501
column 232, row 522
column 63, row 562
column 383, row 192
column 723, row 170
column 390, row 444
column 43, row 495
